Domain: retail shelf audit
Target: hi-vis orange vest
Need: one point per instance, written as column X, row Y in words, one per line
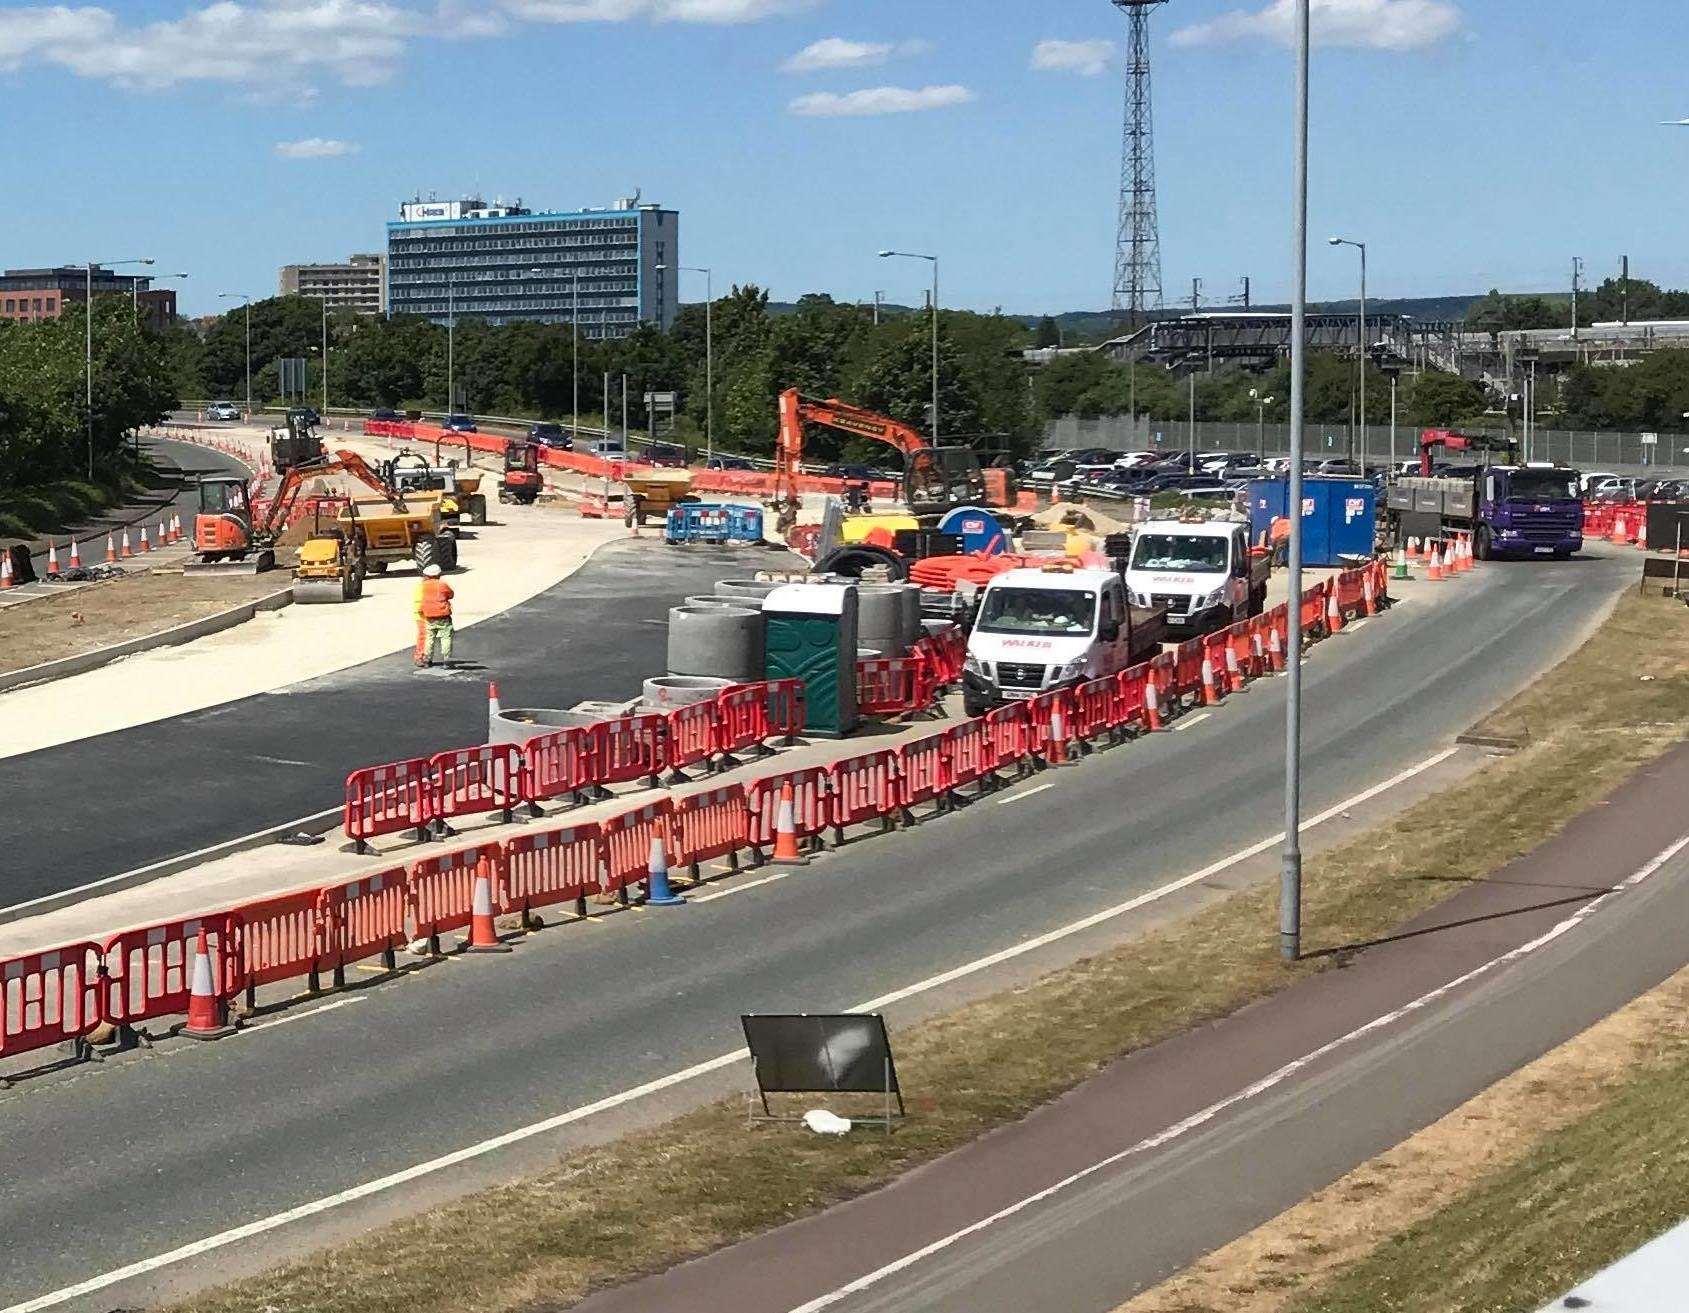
column 434, row 599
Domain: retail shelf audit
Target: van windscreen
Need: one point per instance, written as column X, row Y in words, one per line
column 1055, row 611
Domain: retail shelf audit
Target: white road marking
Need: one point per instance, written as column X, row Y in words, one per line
column 469, row 1153
column 297, row 1016
column 1193, row 720
column 1016, row 797
column 738, row 888
column 1267, row 1082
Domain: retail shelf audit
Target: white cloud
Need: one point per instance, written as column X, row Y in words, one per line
column 25, row 32
column 840, row 52
column 878, row 100
column 315, row 148
column 1086, row 58
column 657, row 11
column 1360, row 24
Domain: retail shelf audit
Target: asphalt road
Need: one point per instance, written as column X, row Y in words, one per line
column 142, row 795
column 186, row 1141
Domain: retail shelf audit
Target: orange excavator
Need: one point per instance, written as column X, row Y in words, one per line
column 225, row 533
column 935, row 479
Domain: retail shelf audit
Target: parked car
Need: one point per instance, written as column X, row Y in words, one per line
column 1132, row 460
column 611, row 448
column 666, row 454
column 728, row 463
column 548, row 434
column 305, row 415
column 460, row 424
column 385, row 413
column 222, row 410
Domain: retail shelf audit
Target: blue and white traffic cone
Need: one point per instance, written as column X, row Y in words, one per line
column 657, row 891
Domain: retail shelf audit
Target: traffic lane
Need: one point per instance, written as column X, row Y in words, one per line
column 1101, row 1241
column 649, row 1001
column 175, row 786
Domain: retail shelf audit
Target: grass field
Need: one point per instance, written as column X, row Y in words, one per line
column 647, row 1201
column 29, row 512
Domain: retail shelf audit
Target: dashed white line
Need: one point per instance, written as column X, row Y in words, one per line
column 737, row 889
column 1026, row 793
column 469, row 1153
column 1193, row 720
column 297, row 1016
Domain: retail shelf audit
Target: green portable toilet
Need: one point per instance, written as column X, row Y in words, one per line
column 811, row 635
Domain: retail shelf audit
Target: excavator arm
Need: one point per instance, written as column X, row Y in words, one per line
column 796, row 410
column 343, row 462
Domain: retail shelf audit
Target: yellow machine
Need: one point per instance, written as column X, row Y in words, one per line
column 330, row 569
column 413, row 531
column 654, row 493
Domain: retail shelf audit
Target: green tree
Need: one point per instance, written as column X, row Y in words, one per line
column 1048, row 334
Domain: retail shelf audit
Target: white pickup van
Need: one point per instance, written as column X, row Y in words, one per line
column 1040, row 629
column 1202, row 571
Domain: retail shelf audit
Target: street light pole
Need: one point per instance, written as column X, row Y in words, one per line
column 1290, row 872
column 575, row 366
column 325, row 359
column 1360, row 345
column 88, row 344
column 451, row 332
column 1261, row 404
column 911, row 255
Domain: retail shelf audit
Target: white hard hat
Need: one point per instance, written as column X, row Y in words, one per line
column 431, row 571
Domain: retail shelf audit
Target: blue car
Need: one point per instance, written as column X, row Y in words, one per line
column 459, row 424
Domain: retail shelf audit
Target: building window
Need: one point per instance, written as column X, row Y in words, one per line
column 38, row 305
column 11, row 305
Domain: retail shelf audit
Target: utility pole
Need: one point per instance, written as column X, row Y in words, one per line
column 1624, row 290
column 1290, row 872
column 1137, row 242
column 1192, row 425
column 1577, row 272
column 1196, row 295
column 325, row 359
column 879, row 298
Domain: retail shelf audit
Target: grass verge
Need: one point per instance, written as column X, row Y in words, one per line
column 54, row 507
column 645, row 1202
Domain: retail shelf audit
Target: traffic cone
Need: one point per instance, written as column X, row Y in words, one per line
column 111, row 550
column 1368, row 602
column 127, row 553
column 657, row 891
column 1413, row 548
column 1333, row 613
column 1619, row 532
column 1466, row 559
column 786, row 850
column 1152, row 704
column 208, row 1015
column 75, row 556
column 1234, row 675
column 1210, row 693
column 1434, row 571
column 1275, row 652
column 144, row 548
column 52, row 561
column 1056, row 753
column 1257, row 651
column 5, row 571
column 163, row 535
column 483, row 934
column 1400, row 569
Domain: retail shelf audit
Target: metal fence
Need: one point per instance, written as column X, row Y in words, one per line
column 1583, row 449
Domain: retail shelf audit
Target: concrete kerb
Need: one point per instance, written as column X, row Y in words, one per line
column 172, row 637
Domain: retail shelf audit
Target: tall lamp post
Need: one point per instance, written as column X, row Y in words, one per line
column 911, row 255
column 1261, row 404
column 1360, row 342
column 709, row 352
column 451, row 333
column 245, row 300
column 88, row 324
column 1290, row 871
column 135, row 292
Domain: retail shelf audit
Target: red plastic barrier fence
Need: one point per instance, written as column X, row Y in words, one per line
column 1214, row 656
column 1313, row 612
column 149, row 970
column 1049, row 718
column 1187, row 668
column 442, row 888
column 888, row 686
column 364, row 917
column 862, row 788
column 714, row 823
column 809, row 804
column 741, row 718
column 923, row 770
column 968, row 753
column 49, row 998
column 562, row 762
column 387, row 799
column 1163, row 677
column 1129, row 688
column 280, row 938
column 552, row 866
column 633, row 749
column 690, row 732
column 627, row 844
column 1094, row 708
column 787, row 710
column 1009, row 731
column 1350, row 590
column 468, row 781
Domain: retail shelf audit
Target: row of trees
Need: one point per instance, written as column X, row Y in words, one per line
column 1613, row 300
column 44, row 430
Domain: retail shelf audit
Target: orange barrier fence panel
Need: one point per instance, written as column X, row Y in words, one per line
column 149, row 970
column 627, row 844
column 442, row 888
column 468, row 781
column 1129, row 695
column 967, row 754
column 1050, row 721
column 923, row 770
column 787, row 710
column 49, row 998
column 1187, row 668
column 1009, row 731
column 634, row 749
column 387, row 799
column 887, row 686
column 714, row 823
column 364, row 917
column 809, row 804
column 281, row 938
column 862, row 788
column 1094, row 708
column 691, row 735
column 561, row 762
column 552, row 866
column 741, row 718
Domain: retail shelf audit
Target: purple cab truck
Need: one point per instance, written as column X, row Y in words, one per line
column 1510, row 510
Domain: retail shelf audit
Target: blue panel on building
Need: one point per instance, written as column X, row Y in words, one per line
column 1339, row 516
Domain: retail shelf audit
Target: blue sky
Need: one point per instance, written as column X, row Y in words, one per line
column 1471, row 142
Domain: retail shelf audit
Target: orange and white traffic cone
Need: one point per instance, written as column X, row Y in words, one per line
column 1466, row 559
column 127, row 552
column 5, row 571
column 176, row 527
column 1152, row 704
column 52, row 560
column 786, row 850
column 111, row 550
column 1275, row 651
column 208, row 1014
column 75, row 556
column 1056, row 753
column 163, row 534
column 1620, row 533
column 483, row 934
column 1434, row 571
column 1210, row 691
column 1234, row 675
column 144, row 548
column 1413, row 553
column 1368, row 601
column 1333, row 613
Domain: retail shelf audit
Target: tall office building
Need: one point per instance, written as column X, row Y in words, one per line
column 502, row 263
column 27, row 294
column 356, row 285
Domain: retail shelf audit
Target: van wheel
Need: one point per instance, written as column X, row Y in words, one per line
column 974, row 708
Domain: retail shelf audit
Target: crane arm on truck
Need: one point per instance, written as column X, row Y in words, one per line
column 1432, row 440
